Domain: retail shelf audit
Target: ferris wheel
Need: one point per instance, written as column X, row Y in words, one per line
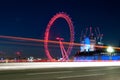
column 65, row 53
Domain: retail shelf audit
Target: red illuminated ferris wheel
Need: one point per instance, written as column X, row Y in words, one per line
column 65, row 53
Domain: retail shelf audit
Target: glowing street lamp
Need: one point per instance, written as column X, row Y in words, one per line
column 110, row 50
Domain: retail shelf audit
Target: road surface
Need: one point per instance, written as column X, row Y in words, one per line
column 82, row 73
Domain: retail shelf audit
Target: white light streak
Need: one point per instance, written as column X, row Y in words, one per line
column 34, row 65
column 77, row 76
column 49, row 72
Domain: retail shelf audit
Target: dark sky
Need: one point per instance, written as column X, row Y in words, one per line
column 29, row 18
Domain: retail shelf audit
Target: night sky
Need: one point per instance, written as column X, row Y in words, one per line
column 29, row 18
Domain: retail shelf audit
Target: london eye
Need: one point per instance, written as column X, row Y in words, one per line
column 65, row 53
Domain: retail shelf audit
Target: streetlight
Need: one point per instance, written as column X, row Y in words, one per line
column 110, row 50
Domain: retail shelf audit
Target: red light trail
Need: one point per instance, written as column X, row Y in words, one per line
column 40, row 40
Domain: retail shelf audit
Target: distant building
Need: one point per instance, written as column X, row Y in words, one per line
column 88, row 49
column 89, row 40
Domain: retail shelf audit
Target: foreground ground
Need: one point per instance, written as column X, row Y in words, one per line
column 88, row 73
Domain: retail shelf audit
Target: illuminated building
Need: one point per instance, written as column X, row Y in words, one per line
column 88, row 50
column 89, row 41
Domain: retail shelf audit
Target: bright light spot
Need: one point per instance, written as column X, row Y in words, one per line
column 110, row 49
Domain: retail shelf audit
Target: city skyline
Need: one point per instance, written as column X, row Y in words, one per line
column 29, row 19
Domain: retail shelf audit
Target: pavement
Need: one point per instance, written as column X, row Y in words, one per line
column 76, row 73
column 60, row 71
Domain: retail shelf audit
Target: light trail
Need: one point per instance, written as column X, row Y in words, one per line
column 80, row 76
column 57, row 72
column 29, row 44
column 43, row 65
column 26, row 44
column 20, row 43
column 50, row 41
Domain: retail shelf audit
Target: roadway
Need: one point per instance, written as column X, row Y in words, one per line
column 86, row 73
column 61, row 73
